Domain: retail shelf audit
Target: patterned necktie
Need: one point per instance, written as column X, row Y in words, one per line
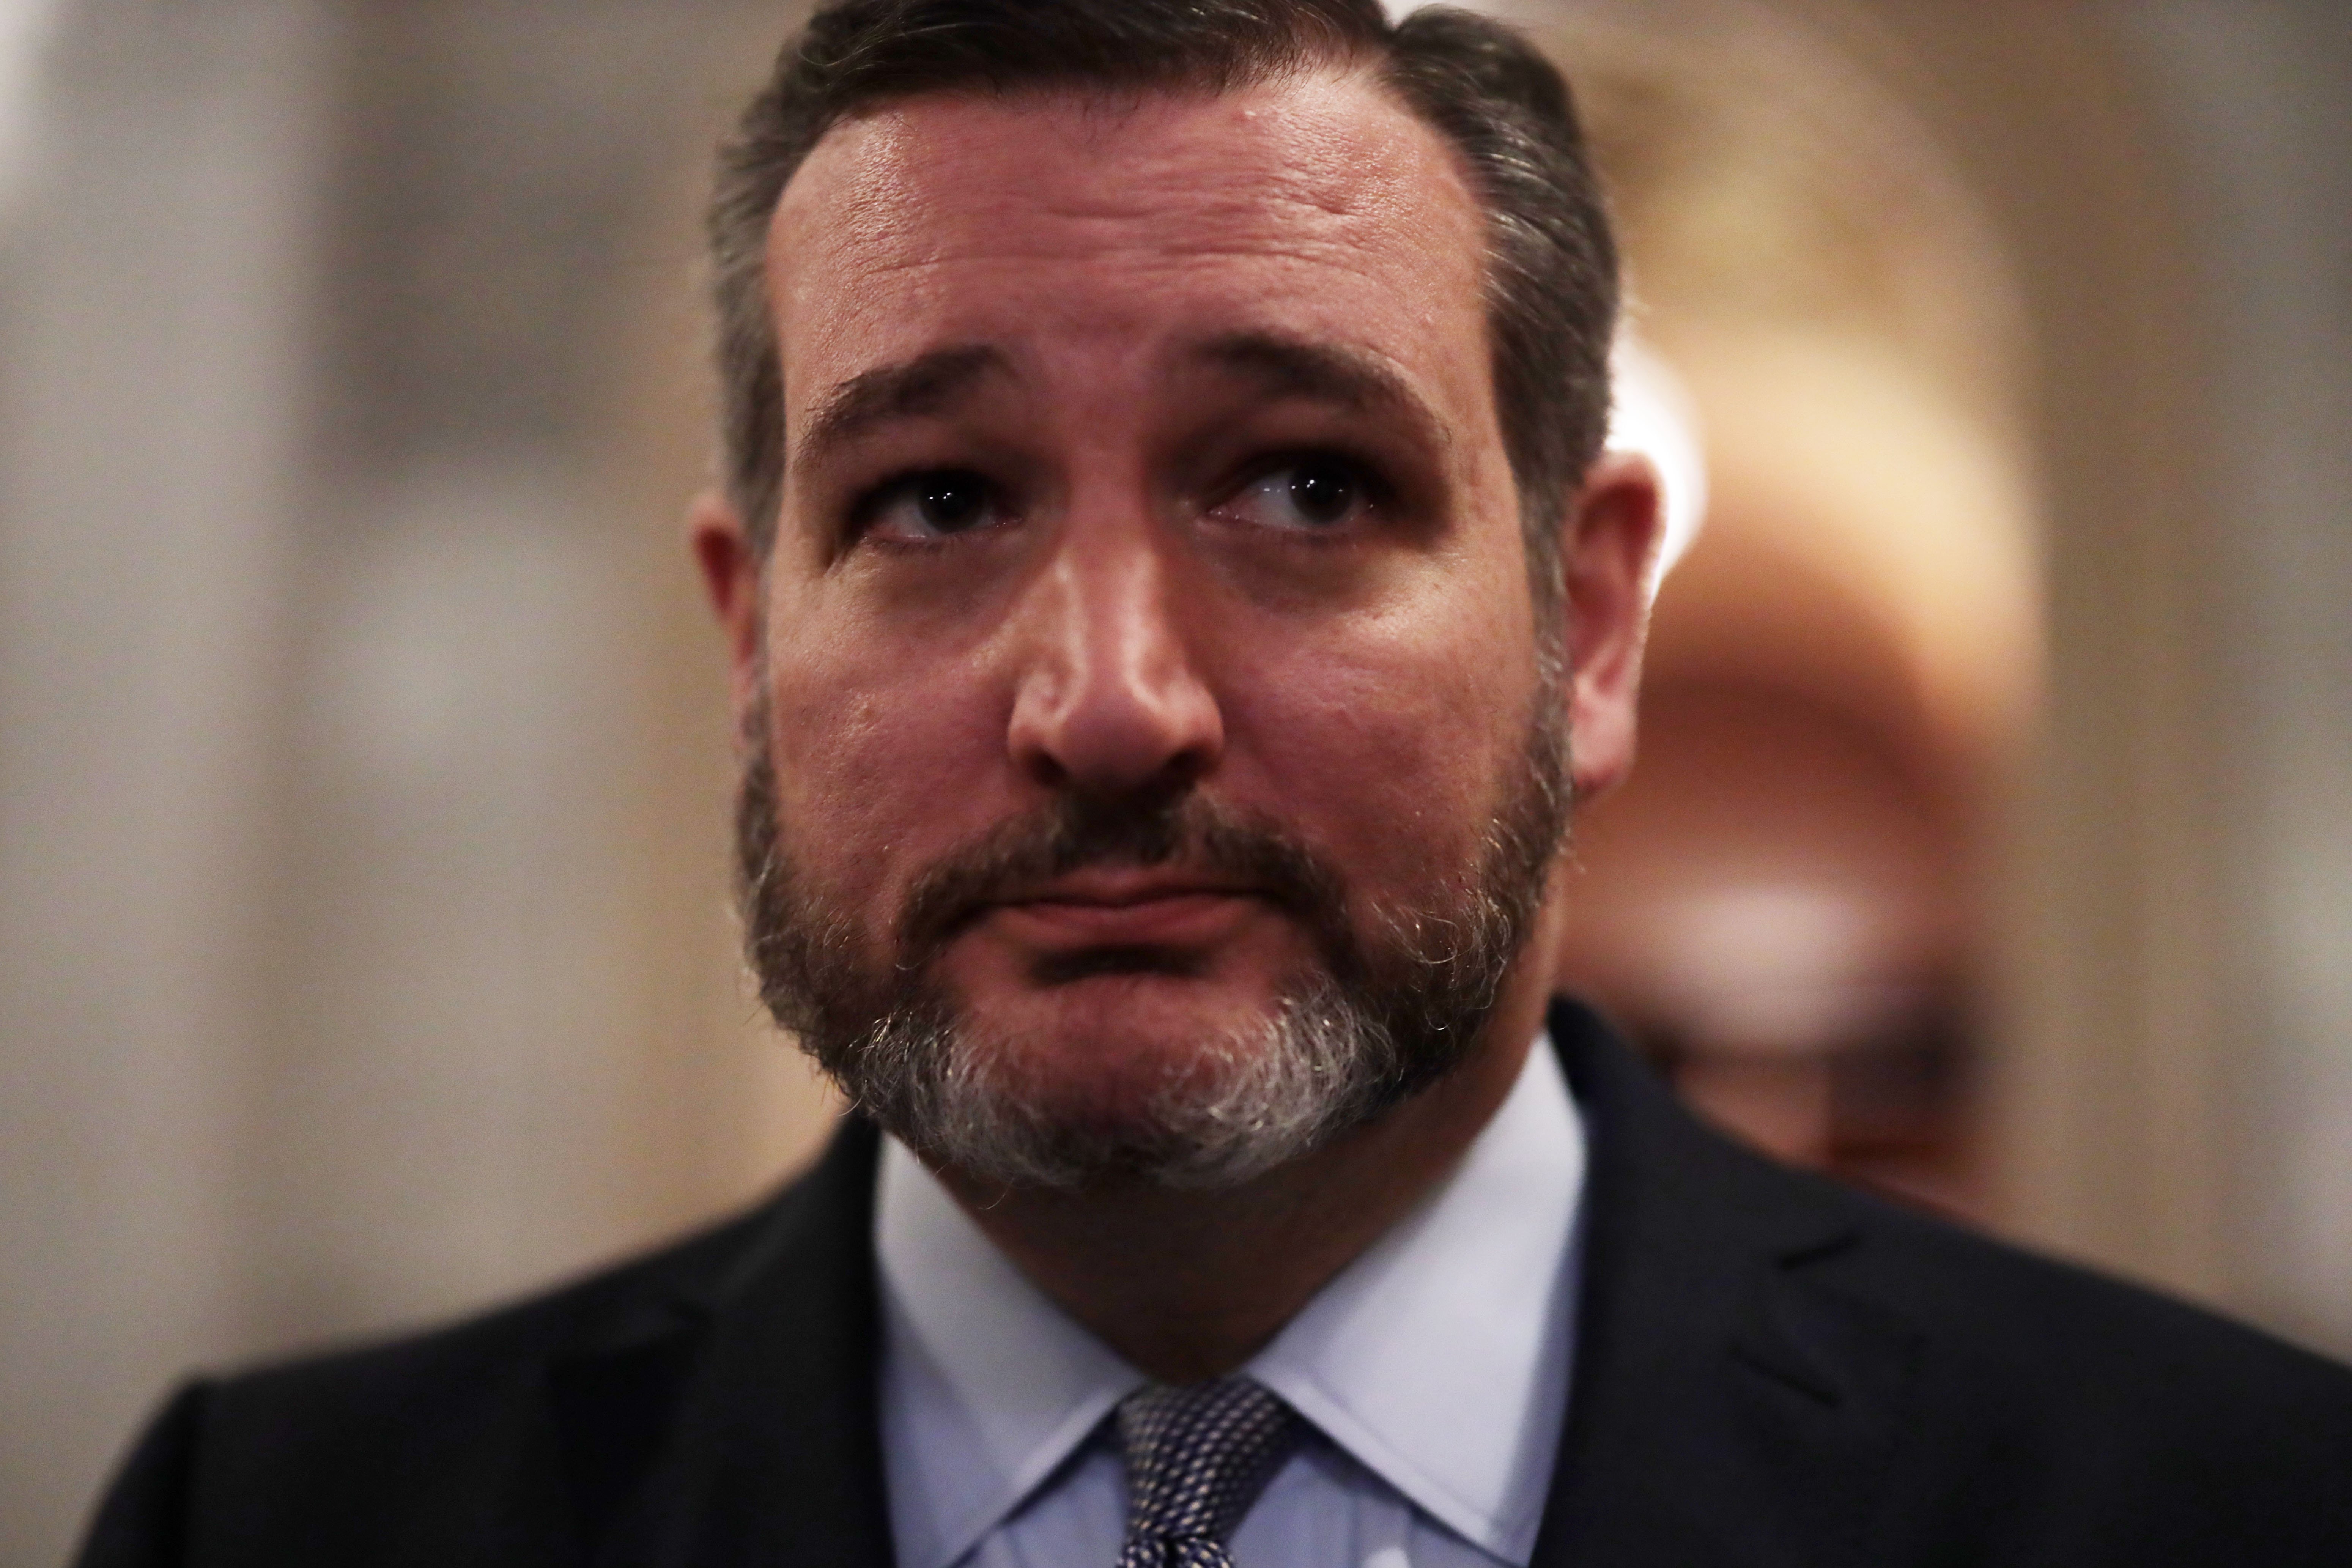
column 1196, row 1459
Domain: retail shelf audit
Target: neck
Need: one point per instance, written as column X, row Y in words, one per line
column 1189, row 1285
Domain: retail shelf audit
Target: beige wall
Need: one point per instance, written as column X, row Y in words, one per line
column 2258, row 108
column 155, row 380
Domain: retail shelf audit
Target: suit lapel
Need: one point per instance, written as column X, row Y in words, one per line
column 1726, row 1408
column 735, row 1421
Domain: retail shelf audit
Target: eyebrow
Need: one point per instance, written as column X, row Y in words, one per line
column 1289, row 367
column 924, row 385
column 1281, row 366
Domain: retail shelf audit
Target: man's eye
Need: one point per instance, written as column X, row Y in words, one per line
column 1316, row 494
column 936, row 504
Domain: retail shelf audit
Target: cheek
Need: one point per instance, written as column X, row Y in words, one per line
column 882, row 759
column 1386, row 738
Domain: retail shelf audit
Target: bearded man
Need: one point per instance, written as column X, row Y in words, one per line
column 1175, row 592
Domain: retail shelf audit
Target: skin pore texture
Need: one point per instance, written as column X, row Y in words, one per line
column 1146, row 449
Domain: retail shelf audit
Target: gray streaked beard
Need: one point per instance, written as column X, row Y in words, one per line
column 1373, row 1021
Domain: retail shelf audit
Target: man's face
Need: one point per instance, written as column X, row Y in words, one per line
column 1146, row 631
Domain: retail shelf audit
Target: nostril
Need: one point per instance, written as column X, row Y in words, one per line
column 1185, row 769
column 1044, row 768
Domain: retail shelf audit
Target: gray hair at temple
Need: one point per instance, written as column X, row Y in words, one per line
column 1550, row 266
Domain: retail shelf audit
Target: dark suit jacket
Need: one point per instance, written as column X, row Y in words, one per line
column 1769, row 1371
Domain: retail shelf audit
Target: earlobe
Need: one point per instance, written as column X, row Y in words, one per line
column 1611, row 542
column 730, row 575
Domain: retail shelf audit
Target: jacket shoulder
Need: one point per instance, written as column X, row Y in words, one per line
column 2027, row 1326
column 2057, row 1404
column 1862, row 1373
column 446, row 1446
column 477, row 1356
column 2059, row 1335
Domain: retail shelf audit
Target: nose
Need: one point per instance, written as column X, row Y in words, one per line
column 1109, row 700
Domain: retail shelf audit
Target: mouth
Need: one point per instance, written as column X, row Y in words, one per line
column 1171, row 884
column 1125, row 908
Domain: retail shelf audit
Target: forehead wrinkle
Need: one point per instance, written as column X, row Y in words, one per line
column 884, row 172
column 1148, row 235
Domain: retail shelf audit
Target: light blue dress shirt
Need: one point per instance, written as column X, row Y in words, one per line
column 1433, row 1369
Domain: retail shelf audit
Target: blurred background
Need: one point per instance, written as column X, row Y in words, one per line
column 364, row 946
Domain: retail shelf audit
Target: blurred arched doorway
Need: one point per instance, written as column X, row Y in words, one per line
column 1785, row 904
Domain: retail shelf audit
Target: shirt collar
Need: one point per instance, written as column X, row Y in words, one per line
column 987, row 1387
column 1438, row 1359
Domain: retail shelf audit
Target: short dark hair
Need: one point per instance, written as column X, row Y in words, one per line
column 1550, row 263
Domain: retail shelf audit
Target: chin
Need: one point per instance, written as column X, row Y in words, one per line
column 1113, row 1044
column 1127, row 1080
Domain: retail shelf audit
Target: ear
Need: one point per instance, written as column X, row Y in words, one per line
column 730, row 574
column 1610, row 540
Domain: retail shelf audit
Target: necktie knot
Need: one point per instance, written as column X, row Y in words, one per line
column 1197, row 1458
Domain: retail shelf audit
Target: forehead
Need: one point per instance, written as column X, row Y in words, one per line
column 1298, row 205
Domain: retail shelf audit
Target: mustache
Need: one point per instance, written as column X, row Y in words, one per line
column 1079, row 833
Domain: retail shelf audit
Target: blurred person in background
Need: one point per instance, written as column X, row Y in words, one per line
column 1175, row 595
